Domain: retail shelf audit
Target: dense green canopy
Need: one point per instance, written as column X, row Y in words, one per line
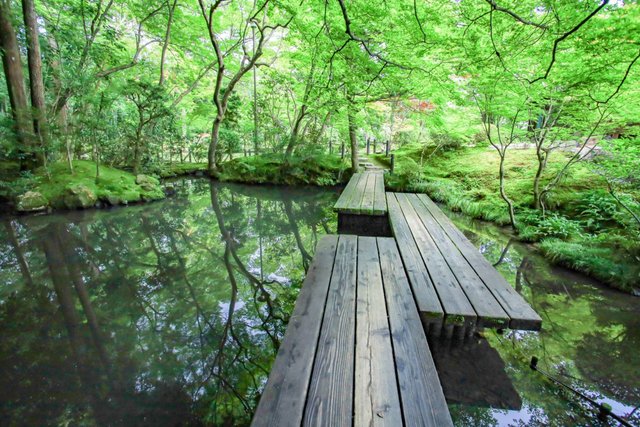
column 138, row 82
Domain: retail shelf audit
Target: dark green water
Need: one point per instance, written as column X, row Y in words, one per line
column 162, row 314
column 171, row 313
column 590, row 340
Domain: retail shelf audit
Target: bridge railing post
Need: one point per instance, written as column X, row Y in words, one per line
column 386, row 153
column 393, row 162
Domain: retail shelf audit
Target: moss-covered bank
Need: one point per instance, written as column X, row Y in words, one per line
column 56, row 187
column 584, row 228
column 317, row 169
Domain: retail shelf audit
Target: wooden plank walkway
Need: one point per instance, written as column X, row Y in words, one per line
column 471, row 291
column 363, row 195
column 362, row 206
column 354, row 352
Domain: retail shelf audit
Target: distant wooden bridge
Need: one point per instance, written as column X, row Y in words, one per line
column 355, row 351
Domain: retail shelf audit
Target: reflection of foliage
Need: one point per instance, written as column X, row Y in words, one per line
column 589, row 339
column 189, row 307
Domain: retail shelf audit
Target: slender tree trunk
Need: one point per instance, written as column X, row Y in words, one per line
column 322, row 128
column 503, row 194
column 353, row 140
column 15, row 86
column 213, row 147
column 255, row 96
column 137, row 161
column 35, row 78
column 542, row 164
column 293, row 138
column 62, row 117
column 165, row 45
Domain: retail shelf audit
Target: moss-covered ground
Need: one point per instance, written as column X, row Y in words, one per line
column 113, row 186
column 584, row 228
column 316, row 169
column 178, row 169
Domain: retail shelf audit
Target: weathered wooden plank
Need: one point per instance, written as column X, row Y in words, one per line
column 355, row 204
column 376, row 400
column 347, row 194
column 363, row 195
column 368, row 194
column 488, row 309
column 330, row 397
column 380, row 202
column 457, row 307
column 521, row 313
column 423, row 288
column 283, row 399
column 423, row 402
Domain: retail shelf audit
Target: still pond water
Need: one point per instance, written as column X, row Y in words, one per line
column 171, row 313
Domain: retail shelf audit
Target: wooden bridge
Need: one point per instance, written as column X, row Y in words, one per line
column 355, row 351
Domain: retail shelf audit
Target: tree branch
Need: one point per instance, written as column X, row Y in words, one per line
column 564, row 36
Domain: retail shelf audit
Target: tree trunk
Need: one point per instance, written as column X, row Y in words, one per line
column 255, row 96
column 137, row 161
column 15, row 86
column 542, row 163
column 293, row 138
column 322, row 128
column 213, row 147
column 503, row 194
column 35, row 78
column 165, row 45
column 56, row 74
column 353, row 141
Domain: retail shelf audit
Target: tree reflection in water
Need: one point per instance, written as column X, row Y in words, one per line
column 590, row 339
column 164, row 314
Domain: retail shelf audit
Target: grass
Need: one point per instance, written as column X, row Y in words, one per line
column 316, row 169
column 466, row 180
column 114, row 186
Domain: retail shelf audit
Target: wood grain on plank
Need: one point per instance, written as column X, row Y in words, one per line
column 348, row 193
column 521, row 313
column 423, row 401
column 455, row 302
column 423, row 288
column 330, row 397
column 282, row 402
column 376, row 400
column 368, row 195
column 489, row 311
column 380, row 202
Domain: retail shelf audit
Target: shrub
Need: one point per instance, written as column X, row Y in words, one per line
column 448, row 141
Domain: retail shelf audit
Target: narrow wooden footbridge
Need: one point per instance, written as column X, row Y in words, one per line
column 355, row 351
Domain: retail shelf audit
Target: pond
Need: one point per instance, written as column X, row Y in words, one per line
column 590, row 340
column 171, row 313
column 167, row 313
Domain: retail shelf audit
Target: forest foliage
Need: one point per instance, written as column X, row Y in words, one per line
column 260, row 90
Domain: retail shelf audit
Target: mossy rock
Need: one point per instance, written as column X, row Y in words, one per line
column 113, row 199
column 79, row 197
column 32, row 201
column 148, row 183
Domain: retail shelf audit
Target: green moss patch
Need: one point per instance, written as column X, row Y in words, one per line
column 318, row 169
column 579, row 209
column 81, row 189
